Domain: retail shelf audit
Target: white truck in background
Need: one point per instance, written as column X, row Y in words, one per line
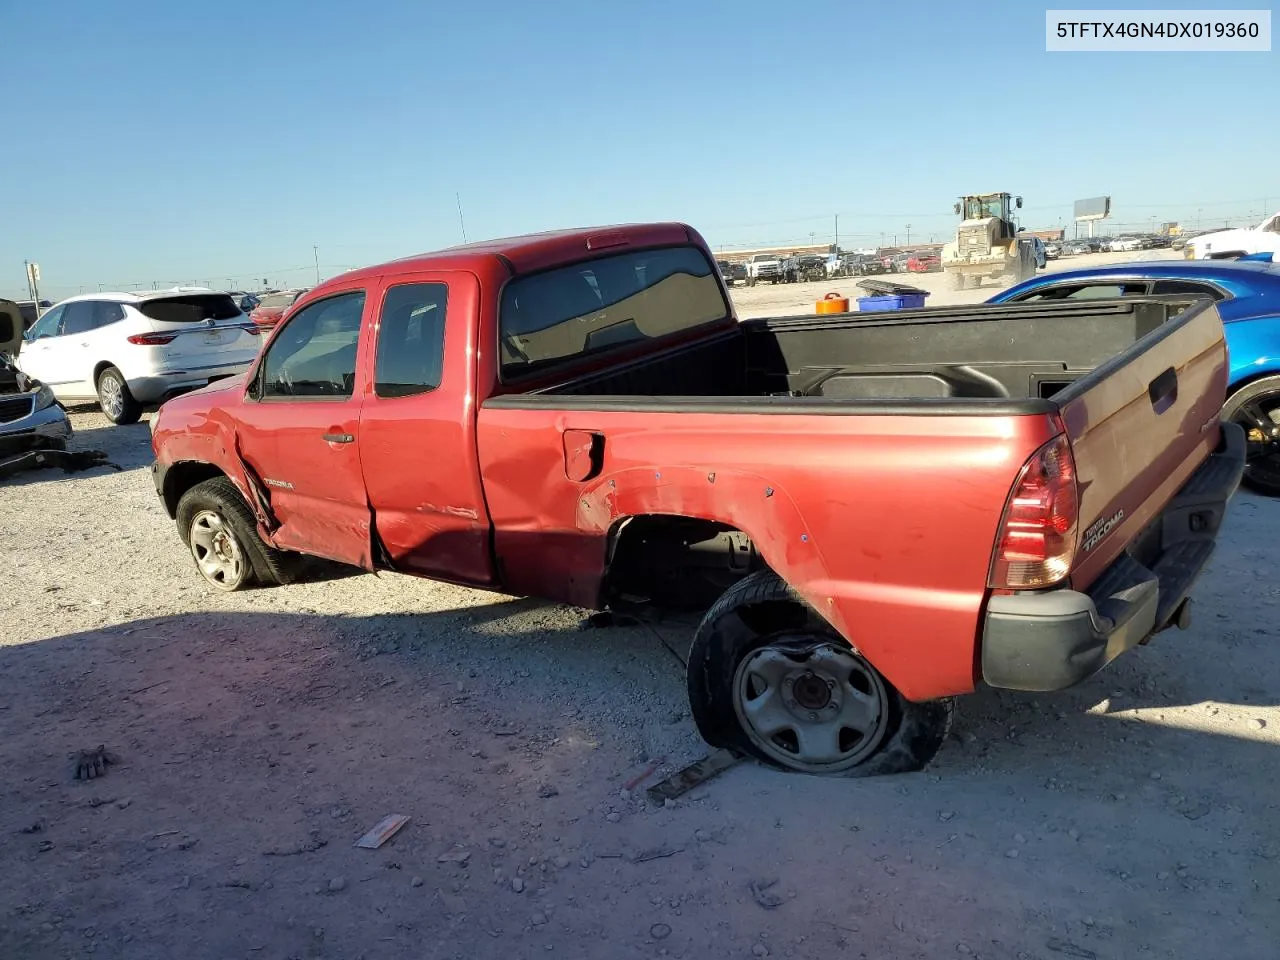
column 1264, row 238
column 764, row 266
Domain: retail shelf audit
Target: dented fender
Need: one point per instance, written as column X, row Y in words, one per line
column 747, row 501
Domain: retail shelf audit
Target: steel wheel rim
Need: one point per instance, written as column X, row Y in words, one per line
column 111, row 393
column 816, row 708
column 218, row 554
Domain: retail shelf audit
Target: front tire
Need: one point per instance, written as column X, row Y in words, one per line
column 770, row 678
column 1256, row 407
column 217, row 526
column 115, row 399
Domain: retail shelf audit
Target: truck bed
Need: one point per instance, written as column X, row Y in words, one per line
column 868, row 459
column 1002, row 358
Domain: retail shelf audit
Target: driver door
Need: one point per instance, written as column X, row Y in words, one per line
column 299, row 428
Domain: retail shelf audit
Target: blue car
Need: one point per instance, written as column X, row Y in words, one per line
column 1248, row 300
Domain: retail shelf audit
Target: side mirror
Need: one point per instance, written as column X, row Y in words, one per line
column 1018, row 200
column 957, row 209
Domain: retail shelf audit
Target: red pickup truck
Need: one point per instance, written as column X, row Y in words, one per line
column 875, row 513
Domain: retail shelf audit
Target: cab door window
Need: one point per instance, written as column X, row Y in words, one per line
column 314, row 356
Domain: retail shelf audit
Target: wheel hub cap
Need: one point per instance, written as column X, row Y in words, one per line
column 111, row 396
column 217, row 553
column 811, row 691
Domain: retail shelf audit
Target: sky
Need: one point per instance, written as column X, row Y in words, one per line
column 149, row 143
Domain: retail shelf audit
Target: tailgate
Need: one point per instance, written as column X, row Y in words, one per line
column 1139, row 426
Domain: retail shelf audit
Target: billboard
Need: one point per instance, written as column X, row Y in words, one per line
column 1094, row 208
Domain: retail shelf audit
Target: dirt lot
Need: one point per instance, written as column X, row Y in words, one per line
column 260, row 734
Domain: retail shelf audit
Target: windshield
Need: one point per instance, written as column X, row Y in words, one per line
column 191, row 308
column 606, row 303
column 980, row 208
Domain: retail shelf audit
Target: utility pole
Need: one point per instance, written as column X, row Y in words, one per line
column 461, row 222
column 837, row 251
column 315, row 249
column 908, row 234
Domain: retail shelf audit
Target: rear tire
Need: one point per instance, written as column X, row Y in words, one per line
column 115, row 399
column 770, row 678
column 1256, row 407
column 217, row 526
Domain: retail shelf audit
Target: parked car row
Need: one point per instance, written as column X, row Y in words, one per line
column 799, row 268
column 732, row 272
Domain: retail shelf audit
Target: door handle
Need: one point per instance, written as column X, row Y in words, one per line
column 339, row 437
column 1163, row 390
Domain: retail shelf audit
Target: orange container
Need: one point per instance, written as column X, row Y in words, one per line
column 832, row 303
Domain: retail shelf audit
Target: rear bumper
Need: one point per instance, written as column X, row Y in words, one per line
column 1057, row 638
column 161, row 386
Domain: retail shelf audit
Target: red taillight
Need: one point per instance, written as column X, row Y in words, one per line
column 152, row 339
column 1038, row 530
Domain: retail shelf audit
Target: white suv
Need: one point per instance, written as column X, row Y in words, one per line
column 127, row 349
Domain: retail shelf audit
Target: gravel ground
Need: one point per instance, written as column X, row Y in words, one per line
column 258, row 735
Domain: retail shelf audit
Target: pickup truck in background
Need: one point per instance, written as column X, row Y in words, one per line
column 870, row 515
column 1226, row 244
column 764, row 266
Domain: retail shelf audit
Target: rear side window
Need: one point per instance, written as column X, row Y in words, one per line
column 314, row 355
column 83, row 316
column 1086, row 291
column 410, row 356
column 606, row 303
column 190, row 308
column 1188, row 286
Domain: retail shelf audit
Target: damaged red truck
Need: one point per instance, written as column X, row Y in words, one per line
column 874, row 513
